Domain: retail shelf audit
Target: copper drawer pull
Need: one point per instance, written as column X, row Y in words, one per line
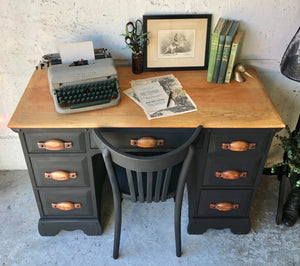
column 147, row 142
column 60, row 175
column 224, row 206
column 231, row 174
column 238, row 146
column 55, row 144
column 66, row 205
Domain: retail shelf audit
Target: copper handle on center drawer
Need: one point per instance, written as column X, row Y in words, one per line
column 238, row 146
column 55, row 144
column 231, row 174
column 60, row 175
column 224, row 206
column 66, row 205
column 147, row 142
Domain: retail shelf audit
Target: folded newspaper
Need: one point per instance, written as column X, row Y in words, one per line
column 160, row 96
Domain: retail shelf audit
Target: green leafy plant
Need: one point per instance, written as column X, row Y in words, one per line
column 135, row 42
column 291, row 145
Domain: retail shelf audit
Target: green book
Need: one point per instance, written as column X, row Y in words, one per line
column 220, row 50
column 226, row 51
column 234, row 54
column 214, row 47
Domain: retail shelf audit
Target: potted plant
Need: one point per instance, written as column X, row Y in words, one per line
column 135, row 39
column 291, row 166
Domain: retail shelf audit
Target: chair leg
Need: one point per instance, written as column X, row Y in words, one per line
column 177, row 215
column 178, row 232
column 177, row 223
column 179, row 197
column 117, row 201
column 118, row 221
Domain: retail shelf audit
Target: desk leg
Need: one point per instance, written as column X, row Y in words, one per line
column 236, row 225
column 51, row 227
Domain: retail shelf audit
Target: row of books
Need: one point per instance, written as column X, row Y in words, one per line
column 225, row 46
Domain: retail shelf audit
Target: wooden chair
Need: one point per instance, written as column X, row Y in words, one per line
column 147, row 178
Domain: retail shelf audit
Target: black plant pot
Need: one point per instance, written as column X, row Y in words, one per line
column 291, row 208
column 137, row 63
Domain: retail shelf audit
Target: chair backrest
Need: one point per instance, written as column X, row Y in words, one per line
column 147, row 177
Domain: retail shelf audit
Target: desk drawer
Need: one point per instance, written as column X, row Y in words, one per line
column 58, row 141
column 229, row 142
column 232, row 171
column 163, row 139
column 66, row 203
column 58, row 170
column 224, row 203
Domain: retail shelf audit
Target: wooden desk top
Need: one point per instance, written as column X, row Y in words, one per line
column 233, row 105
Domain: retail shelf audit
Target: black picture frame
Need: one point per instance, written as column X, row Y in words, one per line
column 177, row 42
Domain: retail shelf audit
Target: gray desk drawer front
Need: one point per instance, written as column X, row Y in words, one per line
column 160, row 138
column 224, row 202
column 230, row 142
column 60, row 170
column 235, row 170
column 66, row 203
column 59, row 141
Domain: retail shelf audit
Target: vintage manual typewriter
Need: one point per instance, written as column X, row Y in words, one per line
column 82, row 85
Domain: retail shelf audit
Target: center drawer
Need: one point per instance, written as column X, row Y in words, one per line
column 131, row 138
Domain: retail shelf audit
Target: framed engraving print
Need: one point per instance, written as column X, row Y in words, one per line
column 177, row 42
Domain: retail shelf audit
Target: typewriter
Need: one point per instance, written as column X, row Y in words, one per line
column 82, row 85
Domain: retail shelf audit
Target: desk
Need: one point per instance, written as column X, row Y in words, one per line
column 239, row 121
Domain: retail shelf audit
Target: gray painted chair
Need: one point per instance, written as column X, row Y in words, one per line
column 147, row 178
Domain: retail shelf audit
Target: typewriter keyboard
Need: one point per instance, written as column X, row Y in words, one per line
column 88, row 94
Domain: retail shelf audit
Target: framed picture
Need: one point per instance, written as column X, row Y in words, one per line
column 177, row 42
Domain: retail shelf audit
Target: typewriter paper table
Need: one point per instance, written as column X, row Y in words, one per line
column 239, row 121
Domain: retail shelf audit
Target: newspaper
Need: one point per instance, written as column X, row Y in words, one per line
column 180, row 102
column 152, row 96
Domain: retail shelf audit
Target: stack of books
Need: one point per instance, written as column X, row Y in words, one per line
column 225, row 46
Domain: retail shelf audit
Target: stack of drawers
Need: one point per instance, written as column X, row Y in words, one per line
column 228, row 170
column 62, row 176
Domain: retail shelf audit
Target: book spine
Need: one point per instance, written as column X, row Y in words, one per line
column 218, row 59
column 212, row 56
column 233, row 54
column 225, row 58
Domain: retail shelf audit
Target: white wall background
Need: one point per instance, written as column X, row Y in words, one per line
column 32, row 28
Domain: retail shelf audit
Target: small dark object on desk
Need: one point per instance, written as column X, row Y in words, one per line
column 169, row 100
column 137, row 63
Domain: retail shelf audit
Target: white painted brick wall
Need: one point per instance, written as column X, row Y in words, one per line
column 32, row 28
